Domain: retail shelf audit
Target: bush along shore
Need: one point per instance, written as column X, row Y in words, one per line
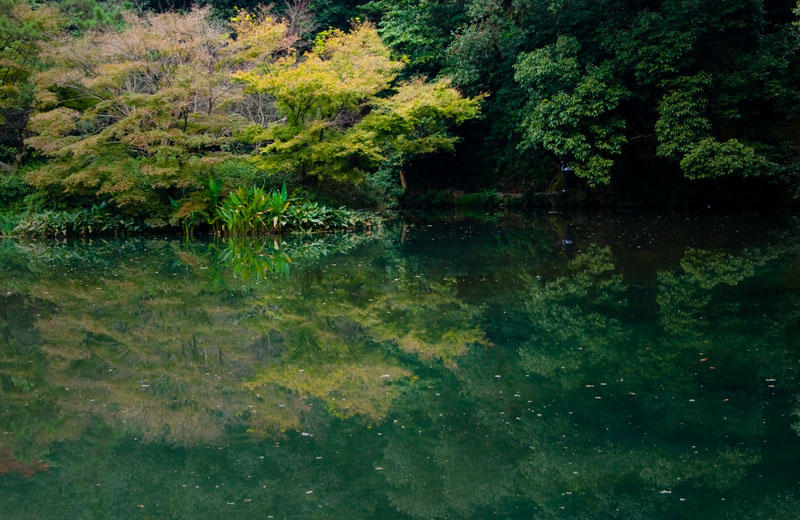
column 245, row 212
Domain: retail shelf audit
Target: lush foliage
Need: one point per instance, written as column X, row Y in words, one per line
column 62, row 223
column 140, row 110
column 23, row 31
column 8, row 222
column 135, row 105
column 254, row 211
column 136, row 116
column 12, row 190
column 420, row 32
column 323, row 95
column 686, row 86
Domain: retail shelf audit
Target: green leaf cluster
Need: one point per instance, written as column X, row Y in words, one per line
column 604, row 86
column 343, row 115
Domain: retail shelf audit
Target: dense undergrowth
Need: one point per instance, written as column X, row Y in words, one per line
column 246, row 211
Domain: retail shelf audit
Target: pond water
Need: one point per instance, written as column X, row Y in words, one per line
column 553, row 366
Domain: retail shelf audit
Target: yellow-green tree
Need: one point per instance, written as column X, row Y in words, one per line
column 342, row 113
column 135, row 115
column 23, row 31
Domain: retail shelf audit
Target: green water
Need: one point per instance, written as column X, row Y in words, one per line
column 548, row 367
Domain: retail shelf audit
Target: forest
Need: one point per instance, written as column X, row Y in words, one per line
column 241, row 117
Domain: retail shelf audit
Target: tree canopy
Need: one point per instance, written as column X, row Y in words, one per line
column 143, row 113
column 706, row 90
column 659, row 97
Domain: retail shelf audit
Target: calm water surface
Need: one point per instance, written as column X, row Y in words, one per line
column 548, row 367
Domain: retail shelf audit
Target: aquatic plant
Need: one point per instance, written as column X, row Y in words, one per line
column 244, row 211
column 254, row 211
column 277, row 204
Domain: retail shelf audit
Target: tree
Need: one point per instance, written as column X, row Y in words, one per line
column 142, row 115
column 133, row 116
column 82, row 15
column 23, row 31
column 341, row 116
column 570, row 111
column 677, row 84
column 418, row 31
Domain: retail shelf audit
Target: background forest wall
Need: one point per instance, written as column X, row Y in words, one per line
column 665, row 103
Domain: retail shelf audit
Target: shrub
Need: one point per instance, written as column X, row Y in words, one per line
column 8, row 221
column 429, row 199
column 255, row 211
column 435, row 199
column 95, row 220
column 482, row 199
column 12, row 190
column 198, row 208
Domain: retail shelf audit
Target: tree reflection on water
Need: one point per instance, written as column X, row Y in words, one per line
column 465, row 371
